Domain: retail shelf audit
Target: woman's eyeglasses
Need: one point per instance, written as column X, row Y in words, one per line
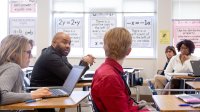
column 29, row 53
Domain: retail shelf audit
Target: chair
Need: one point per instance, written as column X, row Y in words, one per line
column 94, row 106
column 151, row 87
column 196, row 79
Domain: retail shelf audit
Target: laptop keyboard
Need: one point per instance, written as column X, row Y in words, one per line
column 57, row 92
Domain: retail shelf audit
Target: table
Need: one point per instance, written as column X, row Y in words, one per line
column 84, row 85
column 194, row 84
column 62, row 102
column 184, row 78
column 170, row 103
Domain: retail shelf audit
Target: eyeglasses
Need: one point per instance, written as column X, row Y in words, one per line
column 29, row 53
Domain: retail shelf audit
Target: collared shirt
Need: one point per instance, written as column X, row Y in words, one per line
column 176, row 66
column 108, row 89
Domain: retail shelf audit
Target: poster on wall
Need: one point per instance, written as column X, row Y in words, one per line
column 99, row 23
column 141, row 29
column 72, row 26
column 23, row 26
column 22, row 6
column 186, row 29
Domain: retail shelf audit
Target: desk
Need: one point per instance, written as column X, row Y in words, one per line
column 83, row 84
column 184, row 78
column 194, row 84
column 62, row 102
column 170, row 103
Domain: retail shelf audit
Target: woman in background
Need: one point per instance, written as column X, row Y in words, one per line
column 180, row 63
column 160, row 80
column 15, row 54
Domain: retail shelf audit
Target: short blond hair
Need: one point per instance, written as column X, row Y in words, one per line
column 117, row 42
column 12, row 48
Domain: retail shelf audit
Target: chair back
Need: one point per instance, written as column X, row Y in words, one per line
column 94, row 106
column 197, row 79
column 151, row 87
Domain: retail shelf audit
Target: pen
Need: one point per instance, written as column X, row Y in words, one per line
column 184, row 104
column 32, row 100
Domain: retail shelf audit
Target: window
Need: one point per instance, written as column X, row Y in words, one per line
column 186, row 22
column 86, row 21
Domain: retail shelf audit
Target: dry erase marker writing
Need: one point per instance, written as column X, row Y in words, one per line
column 32, row 100
column 184, row 104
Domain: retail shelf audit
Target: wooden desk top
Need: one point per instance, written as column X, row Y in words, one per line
column 170, row 103
column 62, row 102
column 183, row 77
column 83, row 84
column 194, row 84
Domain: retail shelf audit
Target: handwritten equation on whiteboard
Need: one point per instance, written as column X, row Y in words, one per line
column 141, row 29
column 23, row 26
column 72, row 26
column 99, row 24
column 186, row 29
column 24, row 6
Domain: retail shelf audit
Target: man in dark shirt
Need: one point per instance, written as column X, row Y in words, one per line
column 52, row 67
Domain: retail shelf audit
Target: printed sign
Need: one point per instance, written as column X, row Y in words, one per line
column 22, row 6
column 72, row 26
column 99, row 24
column 141, row 29
column 186, row 29
column 23, row 26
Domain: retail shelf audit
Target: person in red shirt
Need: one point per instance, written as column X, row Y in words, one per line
column 108, row 90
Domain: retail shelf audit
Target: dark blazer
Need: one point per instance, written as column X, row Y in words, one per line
column 51, row 69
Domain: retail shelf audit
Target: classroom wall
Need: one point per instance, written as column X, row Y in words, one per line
column 150, row 65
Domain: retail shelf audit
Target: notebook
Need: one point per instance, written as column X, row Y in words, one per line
column 189, row 98
column 196, row 68
column 69, row 83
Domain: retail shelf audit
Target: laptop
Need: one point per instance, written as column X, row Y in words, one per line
column 69, row 83
column 189, row 98
column 196, row 68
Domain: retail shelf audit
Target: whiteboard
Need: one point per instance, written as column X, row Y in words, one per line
column 23, row 26
column 72, row 26
column 99, row 23
column 187, row 29
column 141, row 29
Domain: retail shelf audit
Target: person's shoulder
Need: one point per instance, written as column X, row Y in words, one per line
column 176, row 57
column 10, row 66
column 49, row 53
column 192, row 57
column 106, row 73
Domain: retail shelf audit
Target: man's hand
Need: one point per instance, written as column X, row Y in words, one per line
column 89, row 59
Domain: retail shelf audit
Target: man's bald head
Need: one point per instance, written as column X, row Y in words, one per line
column 59, row 36
column 61, row 42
